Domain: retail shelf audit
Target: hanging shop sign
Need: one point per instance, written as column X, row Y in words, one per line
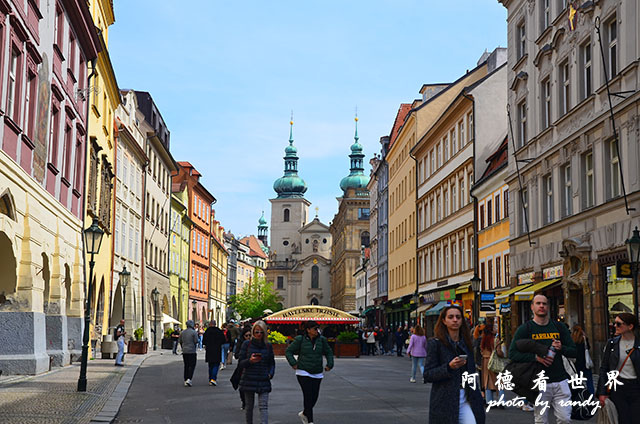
column 505, row 308
column 487, row 302
column 623, row 270
column 320, row 314
column 552, row 272
column 526, row 278
column 431, row 297
column 448, row 294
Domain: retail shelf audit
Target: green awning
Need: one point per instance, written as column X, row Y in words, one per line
column 436, row 309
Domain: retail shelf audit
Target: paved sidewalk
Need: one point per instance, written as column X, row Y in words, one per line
column 52, row 397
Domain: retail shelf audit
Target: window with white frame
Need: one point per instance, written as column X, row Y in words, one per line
column 463, row 261
column 454, row 196
column 548, row 199
column 438, row 156
column 522, row 123
column 612, row 47
column 567, row 202
column 497, row 206
column 469, row 126
column 614, row 169
column 545, row 14
column 489, row 212
column 585, row 70
column 498, row 272
column 454, row 258
column 446, row 260
column 445, row 149
column 445, row 196
column 521, row 41
column 439, row 263
column 439, row 208
column 546, row 103
column 462, row 195
column 13, row 92
column 588, row 186
column 453, row 140
column 564, row 88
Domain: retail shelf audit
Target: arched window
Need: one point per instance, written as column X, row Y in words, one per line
column 286, row 215
column 315, row 276
column 314, row 301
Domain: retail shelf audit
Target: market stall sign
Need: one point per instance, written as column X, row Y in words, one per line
column 320, row 314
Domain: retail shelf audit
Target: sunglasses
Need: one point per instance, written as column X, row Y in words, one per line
column 258, row 332
column 618, row 323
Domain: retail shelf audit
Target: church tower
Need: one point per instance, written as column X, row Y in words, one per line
column 349, row 230
column 290, row 210
column 263, row 230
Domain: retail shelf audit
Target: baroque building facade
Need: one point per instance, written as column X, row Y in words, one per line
column 349, row 231
column 180, row 240
column 573, row 171
column 300, row 251
column 43, row 86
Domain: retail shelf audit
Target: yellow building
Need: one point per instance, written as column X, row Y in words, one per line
column 402, row 198
column 493, row 228
column 218, row 272
column 104, row 98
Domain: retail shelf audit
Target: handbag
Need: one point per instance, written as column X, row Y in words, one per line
column 497, row 363
column 587, row 359
column 579, row 396
column 237, row 373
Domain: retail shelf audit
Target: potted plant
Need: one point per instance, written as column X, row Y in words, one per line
column 167, row 341
column 278, row 342
column 138, row 346
column 347, row 344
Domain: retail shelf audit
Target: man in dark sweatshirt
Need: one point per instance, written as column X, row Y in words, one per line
column 555, row 336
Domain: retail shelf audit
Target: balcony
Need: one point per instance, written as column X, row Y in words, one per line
column 288, row 264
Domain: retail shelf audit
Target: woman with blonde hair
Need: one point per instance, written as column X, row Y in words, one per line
column 417, row 350
column 257, row 361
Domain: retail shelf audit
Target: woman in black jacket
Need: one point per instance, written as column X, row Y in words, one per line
column 245, row 335
column 449, row 354
column 622, row 354
column 258, row 364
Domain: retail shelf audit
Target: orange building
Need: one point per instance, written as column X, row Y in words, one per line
column 199, row 207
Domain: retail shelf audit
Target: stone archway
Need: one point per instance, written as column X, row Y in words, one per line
column 8, row 270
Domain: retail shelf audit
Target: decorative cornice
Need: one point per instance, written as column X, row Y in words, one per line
column 521, row 76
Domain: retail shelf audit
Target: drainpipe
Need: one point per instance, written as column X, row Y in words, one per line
column 415, row 294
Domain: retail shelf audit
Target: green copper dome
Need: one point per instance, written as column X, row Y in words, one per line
column 290, row 185
column 262, row 222
column 356, row 178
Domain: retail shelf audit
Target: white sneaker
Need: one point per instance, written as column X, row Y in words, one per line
column 413, row 380
column 527, row 408
column 185, row 383
column 188, row 382
column 222, row 366
column 303, row 417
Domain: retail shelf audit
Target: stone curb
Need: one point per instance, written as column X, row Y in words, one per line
column 112, row 407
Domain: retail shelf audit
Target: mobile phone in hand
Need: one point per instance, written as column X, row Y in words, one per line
column 463, row 357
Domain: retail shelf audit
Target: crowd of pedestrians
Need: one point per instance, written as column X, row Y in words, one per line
column 454, row 353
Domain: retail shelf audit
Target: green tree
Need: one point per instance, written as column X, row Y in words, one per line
column 255, row 298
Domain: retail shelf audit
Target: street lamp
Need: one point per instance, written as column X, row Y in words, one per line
column 475, row 286
column 155, row 294
column 195, row 305
column 633, row 251
column 92, row 240
column 124, row 282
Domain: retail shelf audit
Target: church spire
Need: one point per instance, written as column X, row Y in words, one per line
column 356, row 178
column 290, row 185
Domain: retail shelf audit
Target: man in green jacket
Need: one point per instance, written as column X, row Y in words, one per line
column 310, row 348
column 556, row 337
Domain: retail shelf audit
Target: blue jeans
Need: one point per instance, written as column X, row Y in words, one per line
column 225, row 350
column 417, row 361
column 200, row 341
column 120, row 354
column 213, row 371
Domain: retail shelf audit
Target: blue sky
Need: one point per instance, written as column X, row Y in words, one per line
column 227, row 74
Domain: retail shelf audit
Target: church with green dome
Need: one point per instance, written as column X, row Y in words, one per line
column 300, row 248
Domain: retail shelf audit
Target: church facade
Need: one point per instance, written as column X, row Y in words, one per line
column 300, row 249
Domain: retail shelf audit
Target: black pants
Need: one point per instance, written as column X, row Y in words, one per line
column 310, row 391
column 189, row 360
column 627, row 401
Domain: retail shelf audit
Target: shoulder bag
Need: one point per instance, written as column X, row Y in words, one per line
column 237, row 373
column 580, row 396
column 497, row 364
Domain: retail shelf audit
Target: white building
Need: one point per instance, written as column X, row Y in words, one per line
column 131, row 163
